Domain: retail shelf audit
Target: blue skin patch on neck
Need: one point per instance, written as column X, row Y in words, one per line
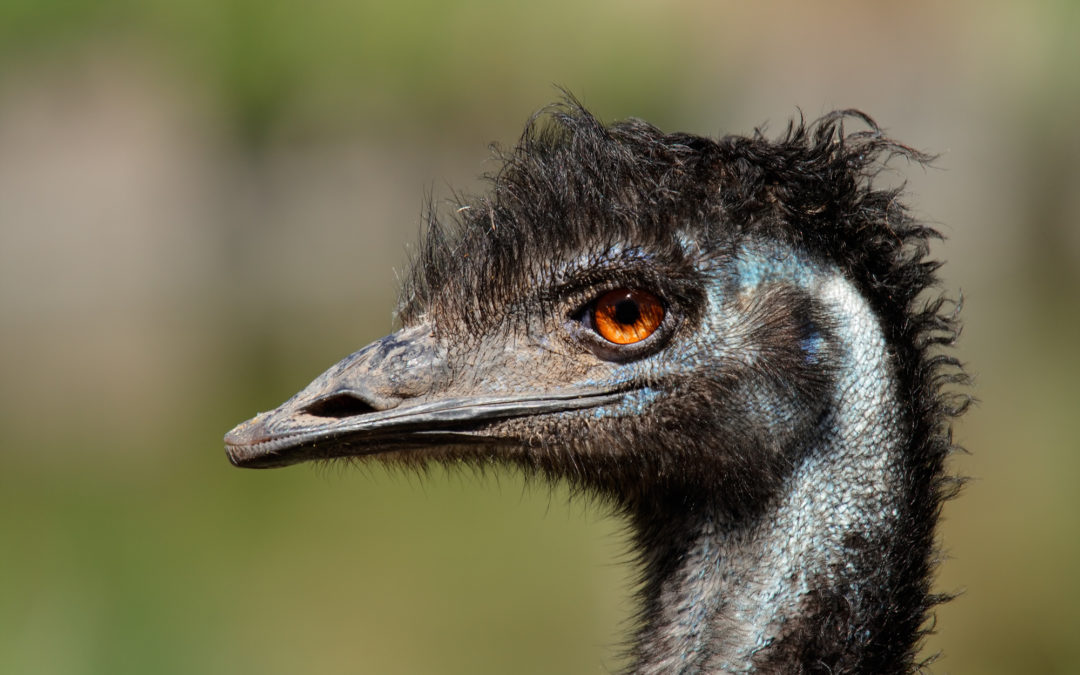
column 811, row 344
column 757, row 265
column 761, row 264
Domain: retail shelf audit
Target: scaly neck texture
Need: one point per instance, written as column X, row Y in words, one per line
column 797, row 588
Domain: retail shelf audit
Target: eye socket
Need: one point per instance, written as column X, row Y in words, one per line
column 625, row 316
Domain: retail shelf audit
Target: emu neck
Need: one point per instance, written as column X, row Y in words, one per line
column 728, row 596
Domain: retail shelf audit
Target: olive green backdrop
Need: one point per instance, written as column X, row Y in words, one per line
column 203, row 204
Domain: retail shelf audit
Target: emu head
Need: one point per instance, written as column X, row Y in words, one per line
column 627, row 310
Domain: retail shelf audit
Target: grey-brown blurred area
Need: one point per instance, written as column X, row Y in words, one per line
column 205, row 203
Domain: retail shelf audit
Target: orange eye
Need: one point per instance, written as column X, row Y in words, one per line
column 625, row 316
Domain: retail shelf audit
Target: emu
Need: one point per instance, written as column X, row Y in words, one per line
column 728, row 341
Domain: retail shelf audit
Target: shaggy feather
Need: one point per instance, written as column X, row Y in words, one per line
column 574, row 184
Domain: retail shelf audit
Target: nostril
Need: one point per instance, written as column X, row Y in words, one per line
column 339, row 406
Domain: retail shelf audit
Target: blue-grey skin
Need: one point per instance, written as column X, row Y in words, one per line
column 751, row 580
column 538, row 381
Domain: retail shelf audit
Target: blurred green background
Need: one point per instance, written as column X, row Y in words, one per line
column 203, row 205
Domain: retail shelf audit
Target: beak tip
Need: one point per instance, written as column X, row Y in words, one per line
column 241, row 441
column 241, row 433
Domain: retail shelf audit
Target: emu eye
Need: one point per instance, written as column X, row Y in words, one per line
column 625, row 316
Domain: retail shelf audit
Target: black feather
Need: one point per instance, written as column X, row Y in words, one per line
column 572, row 183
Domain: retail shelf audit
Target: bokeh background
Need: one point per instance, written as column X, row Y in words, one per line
column 203, row 204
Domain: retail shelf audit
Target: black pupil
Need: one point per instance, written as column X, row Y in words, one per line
column 627, row 312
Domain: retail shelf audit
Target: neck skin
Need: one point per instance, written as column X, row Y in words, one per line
column 742, row 597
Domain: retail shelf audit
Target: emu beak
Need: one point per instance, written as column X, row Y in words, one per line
column 389, row 396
